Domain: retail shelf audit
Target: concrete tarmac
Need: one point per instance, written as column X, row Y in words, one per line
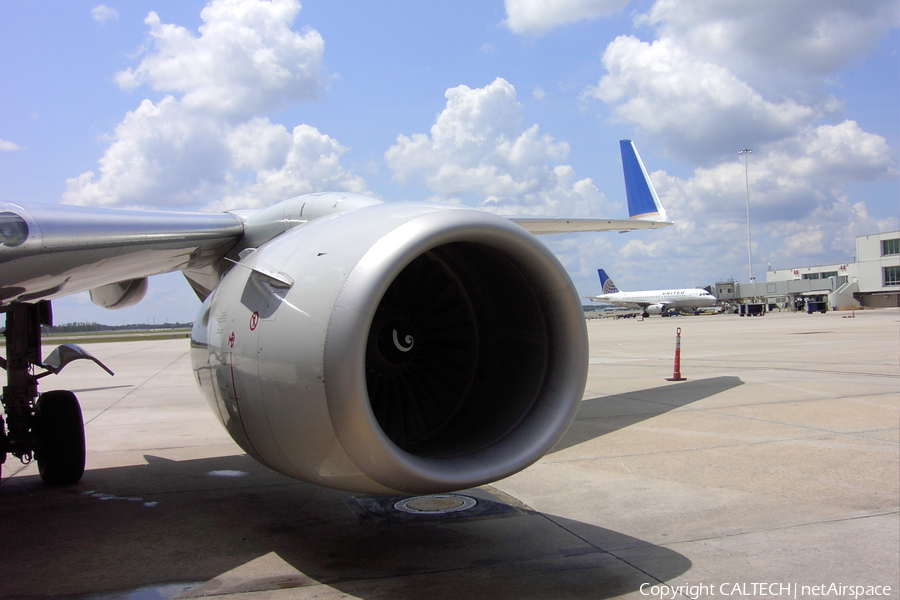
column 773, row 470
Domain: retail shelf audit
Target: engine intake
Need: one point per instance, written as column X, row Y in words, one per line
column 421, row 348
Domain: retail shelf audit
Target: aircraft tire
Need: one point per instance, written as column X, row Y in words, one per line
column 59, row 438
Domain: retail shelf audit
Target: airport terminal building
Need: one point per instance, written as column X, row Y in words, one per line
column 872, row 280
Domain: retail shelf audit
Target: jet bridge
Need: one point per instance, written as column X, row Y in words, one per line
column 836, row 291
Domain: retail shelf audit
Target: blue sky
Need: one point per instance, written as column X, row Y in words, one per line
column 513, row 106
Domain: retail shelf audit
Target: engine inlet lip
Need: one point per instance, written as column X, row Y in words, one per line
column 401, row 237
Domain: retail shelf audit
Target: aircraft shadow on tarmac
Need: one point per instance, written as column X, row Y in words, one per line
column 606, row 414
column 231, row 525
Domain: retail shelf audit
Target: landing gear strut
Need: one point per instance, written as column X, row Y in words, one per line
column 47, row 428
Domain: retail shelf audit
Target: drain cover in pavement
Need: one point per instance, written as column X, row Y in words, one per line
column 436, row 504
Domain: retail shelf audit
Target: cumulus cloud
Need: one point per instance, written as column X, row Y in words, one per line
column 539, row 16
column 722, row 75
column 696, row 108
column 280, row 164
column 778, row 47
column 245, row 61
column 7, row 146
column 789, row 180
column 161, row 154
column 103, row 13
column 479, row 151
column 205, row 144
column 834, row 154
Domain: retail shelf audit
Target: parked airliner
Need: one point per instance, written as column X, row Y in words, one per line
column 653, row 302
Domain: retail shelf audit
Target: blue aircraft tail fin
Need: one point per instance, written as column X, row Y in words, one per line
column 643, row 203
column 606, row 284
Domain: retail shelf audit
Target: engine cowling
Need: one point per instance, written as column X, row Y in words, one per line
column 396, row 348
column 655, row 309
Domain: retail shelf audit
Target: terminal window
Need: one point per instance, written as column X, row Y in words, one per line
column 890, row 246
column 891, row 275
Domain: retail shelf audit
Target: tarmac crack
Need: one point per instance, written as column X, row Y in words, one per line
column 599, row 549
column 782, row 528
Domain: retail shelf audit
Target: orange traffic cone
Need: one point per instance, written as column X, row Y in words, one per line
column 676, row 375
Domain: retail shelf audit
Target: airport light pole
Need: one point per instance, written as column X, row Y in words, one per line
column 745, row 153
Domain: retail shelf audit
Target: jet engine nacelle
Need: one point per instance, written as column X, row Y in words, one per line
column 655, row 309
column 410, row 348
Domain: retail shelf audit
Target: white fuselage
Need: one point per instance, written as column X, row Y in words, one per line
column 663, row 299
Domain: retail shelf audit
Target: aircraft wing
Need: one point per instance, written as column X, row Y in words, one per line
column 644, row 207
column 622, row 303
column 542, row 226
column 52, row 251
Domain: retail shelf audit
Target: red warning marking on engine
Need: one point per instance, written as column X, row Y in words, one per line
column 254, row 320
column 231, row 340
